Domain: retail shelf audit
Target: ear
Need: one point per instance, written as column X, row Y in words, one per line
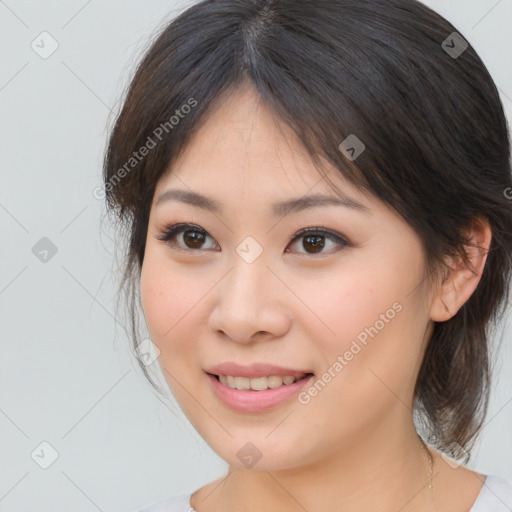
column 463, row 277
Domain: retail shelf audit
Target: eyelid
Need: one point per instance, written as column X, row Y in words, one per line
column 319, row 229
column 170, row 231
column 327, row 233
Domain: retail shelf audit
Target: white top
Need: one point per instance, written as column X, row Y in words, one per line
column 495, row 496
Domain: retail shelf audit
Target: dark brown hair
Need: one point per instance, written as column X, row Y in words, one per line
column 437, row 146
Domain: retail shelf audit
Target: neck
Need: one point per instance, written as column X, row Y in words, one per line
column 386, row 472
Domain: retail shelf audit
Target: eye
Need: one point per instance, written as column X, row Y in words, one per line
column 193, row 236
column 314, row 240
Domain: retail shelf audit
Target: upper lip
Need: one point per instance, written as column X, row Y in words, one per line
column 253, row 370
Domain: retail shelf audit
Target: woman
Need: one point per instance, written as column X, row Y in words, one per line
column 314, row 198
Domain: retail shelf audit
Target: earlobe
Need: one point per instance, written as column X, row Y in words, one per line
column 463, row 277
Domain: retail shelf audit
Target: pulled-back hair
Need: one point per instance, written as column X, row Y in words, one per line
column 390, row 72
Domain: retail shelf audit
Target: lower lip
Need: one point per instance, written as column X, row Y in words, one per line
column 256, row 401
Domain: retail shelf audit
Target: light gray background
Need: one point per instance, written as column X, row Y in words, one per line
column 67, row 374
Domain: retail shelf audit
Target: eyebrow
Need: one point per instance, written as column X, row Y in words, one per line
column 279, row 209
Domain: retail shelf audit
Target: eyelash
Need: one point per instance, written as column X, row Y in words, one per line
column 172, row 231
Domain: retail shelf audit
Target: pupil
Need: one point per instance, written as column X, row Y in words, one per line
column 317, row 242
column 194, row 239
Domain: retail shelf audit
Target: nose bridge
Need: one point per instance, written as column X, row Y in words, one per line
column 247, row 280
column 247, row 302
column 249, row 267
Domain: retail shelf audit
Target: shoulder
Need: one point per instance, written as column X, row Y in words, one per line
column 180, row 503
column 495, row 496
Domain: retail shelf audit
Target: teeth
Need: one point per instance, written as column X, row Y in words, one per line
column 258, row 383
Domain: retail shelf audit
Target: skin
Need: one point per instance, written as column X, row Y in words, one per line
column 354, row 446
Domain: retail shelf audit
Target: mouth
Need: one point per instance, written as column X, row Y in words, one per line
column 257, row 394
column 259, row 384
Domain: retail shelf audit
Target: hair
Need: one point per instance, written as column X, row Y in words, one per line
column 437, row 148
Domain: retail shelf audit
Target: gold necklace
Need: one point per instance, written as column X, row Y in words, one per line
column 430, row 471
column 430, row 474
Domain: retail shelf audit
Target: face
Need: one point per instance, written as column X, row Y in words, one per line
column 234, row 279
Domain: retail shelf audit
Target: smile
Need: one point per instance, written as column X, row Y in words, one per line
column 258, row 383
column 257, row 394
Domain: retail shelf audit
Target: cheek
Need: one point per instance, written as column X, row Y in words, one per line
column 173, row 304
column 376, row 326
column 169, row 299
column 353, row 298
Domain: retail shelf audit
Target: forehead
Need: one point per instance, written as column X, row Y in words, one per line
column 243, row 145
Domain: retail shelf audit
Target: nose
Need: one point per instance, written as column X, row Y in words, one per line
column 250, row 303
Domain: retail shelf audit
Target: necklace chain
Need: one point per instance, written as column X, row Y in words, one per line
column 430, row 465
column 430, row 471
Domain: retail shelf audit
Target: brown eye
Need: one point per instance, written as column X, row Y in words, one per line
column 193, row 237
column 314, row 240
